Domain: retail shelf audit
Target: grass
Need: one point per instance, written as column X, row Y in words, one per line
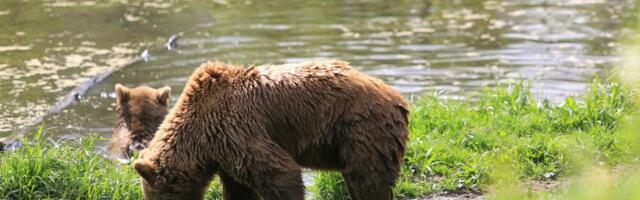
column 494, row 146
column 47, row 169
column 508, row 134
column 70, row 171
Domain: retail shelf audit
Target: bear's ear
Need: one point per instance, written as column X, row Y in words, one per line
column 164, row 94
column 122, row 92
column 146, row 170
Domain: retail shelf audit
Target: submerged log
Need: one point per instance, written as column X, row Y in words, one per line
column 12, row 142
column 76, row 94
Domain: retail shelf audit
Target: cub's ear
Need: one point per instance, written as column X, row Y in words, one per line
column 122, row 92
column 164, row 94
column 146, row 170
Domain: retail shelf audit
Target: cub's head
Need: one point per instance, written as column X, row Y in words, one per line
column 140, row 112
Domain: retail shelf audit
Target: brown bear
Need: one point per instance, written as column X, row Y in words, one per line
column 257, row 127
column 139, row 113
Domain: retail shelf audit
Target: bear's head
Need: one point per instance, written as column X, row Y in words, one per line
column 177, row 165
column 168, row 183
column 140, row 112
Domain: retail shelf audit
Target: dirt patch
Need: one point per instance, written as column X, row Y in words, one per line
column 545, row 186
column 453, row 196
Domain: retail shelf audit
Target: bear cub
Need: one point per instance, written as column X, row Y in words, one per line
column 140, row 111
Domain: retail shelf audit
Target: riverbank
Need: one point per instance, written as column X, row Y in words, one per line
column 502, row 142
column 509, row 143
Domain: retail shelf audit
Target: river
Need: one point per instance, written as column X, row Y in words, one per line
column 452, row 47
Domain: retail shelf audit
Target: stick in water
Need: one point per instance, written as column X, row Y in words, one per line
column 12, row 142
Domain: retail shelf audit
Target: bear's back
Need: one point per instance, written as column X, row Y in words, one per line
column 303, row 102
column 299, row 71
column 331, row 83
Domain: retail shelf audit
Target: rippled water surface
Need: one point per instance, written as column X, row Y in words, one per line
column 456, row 47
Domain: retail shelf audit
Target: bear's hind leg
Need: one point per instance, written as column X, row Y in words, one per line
column 364, row 186
column 372, row 154
column 236, row 191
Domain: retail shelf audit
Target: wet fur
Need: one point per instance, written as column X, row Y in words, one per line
column 257, row 127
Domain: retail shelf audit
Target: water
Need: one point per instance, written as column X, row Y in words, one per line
column 455, row 47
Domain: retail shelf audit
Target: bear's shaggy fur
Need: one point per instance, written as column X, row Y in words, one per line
column 139, row 113
column 257, row 127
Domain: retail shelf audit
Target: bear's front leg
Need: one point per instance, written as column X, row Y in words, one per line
column 233, row 190
column 267, row 169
